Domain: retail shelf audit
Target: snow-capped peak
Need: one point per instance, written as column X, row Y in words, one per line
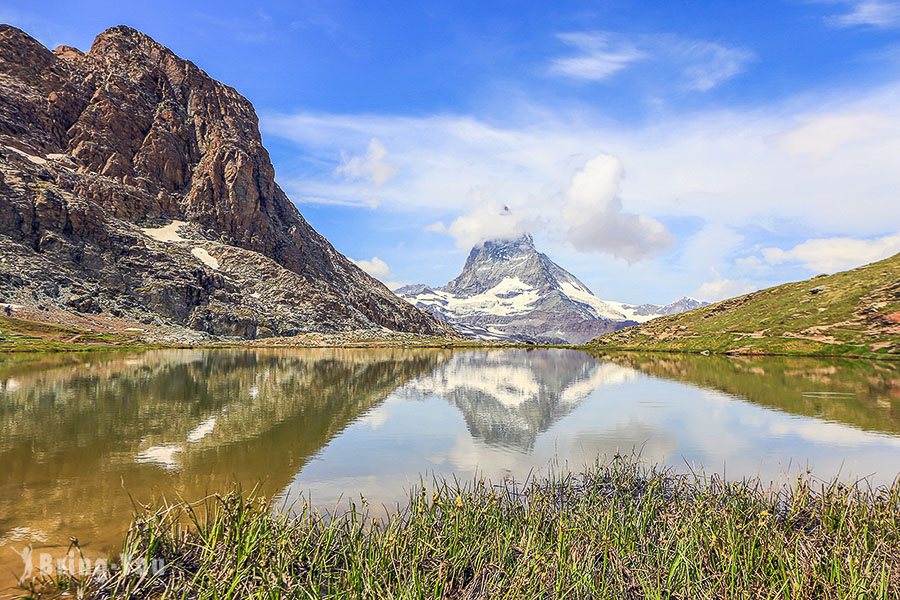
column 509, row 289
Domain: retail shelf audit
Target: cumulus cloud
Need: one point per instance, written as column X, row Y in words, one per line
column 873, row 13
column 744, row 170
column 373, row 166
column 701, row 65
column 436, row 227
column 375, row 267
column 489, row 221
column 595, row 218
column 835, row 254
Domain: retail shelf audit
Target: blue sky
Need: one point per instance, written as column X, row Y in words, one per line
column 653, row 149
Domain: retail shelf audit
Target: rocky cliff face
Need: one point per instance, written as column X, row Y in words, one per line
column 133, row 183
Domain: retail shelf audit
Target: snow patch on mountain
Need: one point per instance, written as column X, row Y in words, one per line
column 509, row 297
column 508, row 290
column 601, row 309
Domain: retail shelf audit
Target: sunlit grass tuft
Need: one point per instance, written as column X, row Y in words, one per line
column 617, row 530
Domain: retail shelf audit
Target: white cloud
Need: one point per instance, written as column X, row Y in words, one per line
column 600, row 55
column 823, row 134
column 700, row 65
column 748, row 261
column 874, row 13
column 753, row 170
column 437, row 227
column 372, row 166
column 596, row 221
column 738, row 167
column 835, row 254
column 375, row 267
column 706, row 64
column 720, row 289
column 489, row 221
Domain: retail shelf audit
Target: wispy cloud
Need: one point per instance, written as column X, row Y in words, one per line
column 600, row 55
column 872, row 13
column 798, row 164
column 721, row 288
column 700, row 65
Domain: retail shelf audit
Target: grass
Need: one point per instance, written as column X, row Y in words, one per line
column 25, row 335
column 853, row 313
column 617, row 530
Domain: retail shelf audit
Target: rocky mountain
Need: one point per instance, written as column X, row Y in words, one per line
column 851, row 313
column 133, row 184
column 509, row 291
column 644, row 312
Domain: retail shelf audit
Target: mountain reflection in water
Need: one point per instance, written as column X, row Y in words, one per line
column 504, row 413
column 82, row 433
column 508, row 398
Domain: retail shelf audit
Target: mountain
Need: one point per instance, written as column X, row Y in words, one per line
column 641, row 313
column 134, row 185
column 852, row 313
column 509, row 291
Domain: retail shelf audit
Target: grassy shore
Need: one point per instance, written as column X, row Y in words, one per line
column 618, row 530
column 27, row 335
column 33, row 335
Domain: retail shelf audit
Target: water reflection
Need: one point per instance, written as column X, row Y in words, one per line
column 864, row 394
column 505, row 413
column 81, row 433
column 508, row 397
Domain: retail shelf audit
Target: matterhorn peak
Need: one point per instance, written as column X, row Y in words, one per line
column 509, row 290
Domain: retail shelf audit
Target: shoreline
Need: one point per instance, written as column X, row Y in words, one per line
column 618, row 529
column 19, row 335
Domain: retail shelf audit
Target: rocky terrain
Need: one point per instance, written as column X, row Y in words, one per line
column 851, row 313
column 134, row 186
column 509, row 291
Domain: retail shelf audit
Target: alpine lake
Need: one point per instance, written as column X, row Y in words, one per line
column 88, row 438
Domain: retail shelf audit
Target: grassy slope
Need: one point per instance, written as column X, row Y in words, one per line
column 858, row 314
column 24, row 335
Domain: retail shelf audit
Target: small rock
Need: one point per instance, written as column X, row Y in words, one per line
column 818, row 290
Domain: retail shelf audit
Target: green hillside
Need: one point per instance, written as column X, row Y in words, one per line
column 852, row 313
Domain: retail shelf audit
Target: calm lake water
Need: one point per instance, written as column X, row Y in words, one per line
column 84, row 434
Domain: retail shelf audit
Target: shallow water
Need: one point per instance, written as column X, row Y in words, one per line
column 83, row 436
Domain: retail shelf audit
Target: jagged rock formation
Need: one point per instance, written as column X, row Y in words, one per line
column 133, row 183
column 509, row 290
